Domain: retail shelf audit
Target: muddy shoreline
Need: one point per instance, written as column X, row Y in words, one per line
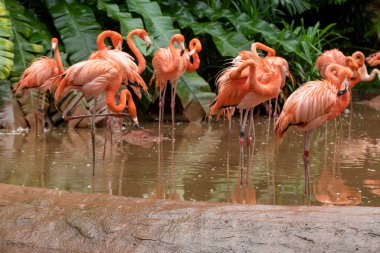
column 44, row 220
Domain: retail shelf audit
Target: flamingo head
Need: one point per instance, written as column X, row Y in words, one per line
column 359, row 58
column 143, row 34
column 180, row 39
column 117, row 40
column 54, row 45
column 195, row 46
column 283, row 65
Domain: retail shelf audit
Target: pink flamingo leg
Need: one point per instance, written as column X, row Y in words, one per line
column 241, row 140
column 306, row 160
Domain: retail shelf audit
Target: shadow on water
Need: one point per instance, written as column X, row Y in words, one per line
column 202, row 163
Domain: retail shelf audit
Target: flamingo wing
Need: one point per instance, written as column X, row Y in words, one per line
column 91, row 77
column 307, row 107
column 38, row 73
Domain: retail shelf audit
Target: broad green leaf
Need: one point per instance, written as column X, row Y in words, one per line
column 194, row 89
column 160, row 26
column 6, row 45
column 127, row 22
column 77, row 27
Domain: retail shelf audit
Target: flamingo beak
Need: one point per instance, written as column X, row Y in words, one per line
column 148, row 42
column 190, row 53
column 345, row 89
column 182, row 46
column 119, row 45
column 53, row 47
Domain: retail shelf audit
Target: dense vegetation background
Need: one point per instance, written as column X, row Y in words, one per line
column 299, row 30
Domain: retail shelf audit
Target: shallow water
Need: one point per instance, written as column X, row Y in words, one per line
column 203, row 162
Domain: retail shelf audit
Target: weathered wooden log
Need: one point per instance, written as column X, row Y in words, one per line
column 44, row 220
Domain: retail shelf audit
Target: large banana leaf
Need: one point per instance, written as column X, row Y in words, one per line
column 23, row 26
column 77, row 27
column 193, row 90
column 228, row 43
column 6, row 46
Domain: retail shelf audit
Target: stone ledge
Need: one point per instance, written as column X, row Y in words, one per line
column 44, row 220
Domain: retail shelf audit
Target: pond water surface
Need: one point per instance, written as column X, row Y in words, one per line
column 202, row 164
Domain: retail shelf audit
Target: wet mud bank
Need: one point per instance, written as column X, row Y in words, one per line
column 44, row 220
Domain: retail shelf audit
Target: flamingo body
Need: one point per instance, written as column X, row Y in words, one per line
column 38, row 74
column 315, row 102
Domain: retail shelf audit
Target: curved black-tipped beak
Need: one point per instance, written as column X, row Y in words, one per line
column 138, row 126
column 147, row 47
column 53, row 53
column 342, row 92
column 182, row 51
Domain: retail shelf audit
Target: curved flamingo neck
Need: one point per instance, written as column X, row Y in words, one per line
column 141, row 63
column 110, row 100
column 58, row 60
column 269, row 89
column 103, row 35
column 196, row 46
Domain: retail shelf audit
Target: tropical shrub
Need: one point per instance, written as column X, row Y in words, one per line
column 224, row 28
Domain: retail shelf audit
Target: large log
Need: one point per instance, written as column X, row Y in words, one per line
column 44, row 220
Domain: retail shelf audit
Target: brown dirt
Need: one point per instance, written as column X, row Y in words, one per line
column 44, row 220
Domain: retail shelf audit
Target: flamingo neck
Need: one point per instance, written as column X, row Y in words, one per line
column 196, row 62
column 58, row 60
column 173, row 50
column 110, row 101
column 141, row 63
column 102, row 36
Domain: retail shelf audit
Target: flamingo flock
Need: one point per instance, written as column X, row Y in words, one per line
column 251, row 79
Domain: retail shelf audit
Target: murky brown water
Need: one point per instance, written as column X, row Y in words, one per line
column 203, row 163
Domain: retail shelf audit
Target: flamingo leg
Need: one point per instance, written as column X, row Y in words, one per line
column 93, row 128
column 161, row 109
column 249, row 143
column 42, row 110
column 307, row 162
column 241, row 140
column 275, row 112
column 173, row 95
column 270, row 116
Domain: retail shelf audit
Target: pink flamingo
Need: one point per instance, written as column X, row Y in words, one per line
column 169, row 66
column 39, row 73
column 314, row 103
column 246, row 84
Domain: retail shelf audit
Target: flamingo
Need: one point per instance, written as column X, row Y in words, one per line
column 314, row 103
column 169, row 66
column 38, row 74
column 373, row 59
column 129, row 70
column 116, row 40
column 93, row 77
column 359, row 69
column 195, row 47
column 246, row 84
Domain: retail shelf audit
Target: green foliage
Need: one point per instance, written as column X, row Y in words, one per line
column 6, row 45
column 77, row 27
column 295, row 29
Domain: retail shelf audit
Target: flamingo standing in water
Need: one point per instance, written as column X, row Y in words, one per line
column 38, row 74
column 314, row 103
column 93, row 77
column 246, row 84
column 169, row 66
